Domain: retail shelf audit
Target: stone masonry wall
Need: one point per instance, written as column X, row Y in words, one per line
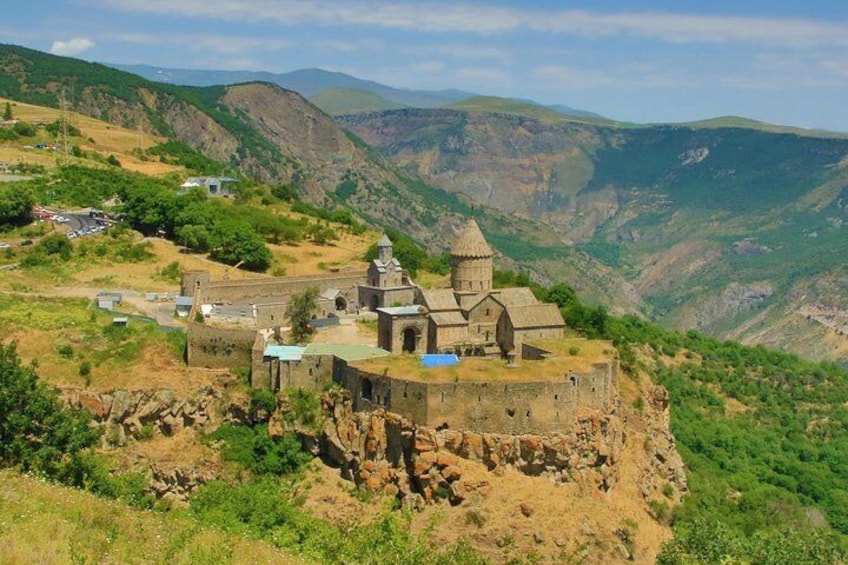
column 210, row 346
column 228, row 291
column 487, row 406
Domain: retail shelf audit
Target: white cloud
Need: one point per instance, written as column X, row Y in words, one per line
column 222, row 44
column 444, row 17
column 73, row 47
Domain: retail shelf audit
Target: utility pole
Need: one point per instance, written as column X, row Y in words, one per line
column 63, row 127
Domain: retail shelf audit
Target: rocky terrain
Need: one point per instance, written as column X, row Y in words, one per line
column 620, row 454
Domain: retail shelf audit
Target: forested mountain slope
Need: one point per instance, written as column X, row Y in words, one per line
column 735, row 231
column 276, row 136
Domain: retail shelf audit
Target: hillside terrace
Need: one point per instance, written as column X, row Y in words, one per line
column 554, row 367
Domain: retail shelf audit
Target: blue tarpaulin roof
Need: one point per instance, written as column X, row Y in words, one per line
column 433, row 360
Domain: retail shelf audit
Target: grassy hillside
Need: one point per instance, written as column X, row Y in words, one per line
column 45, row 523
column 340, row 101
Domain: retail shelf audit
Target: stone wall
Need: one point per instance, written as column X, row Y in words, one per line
column 505, row 407
column 471, row 274
column 257, row 289
column 371, row 297
column 312, row 372
column 211, row 346
column 442, row 338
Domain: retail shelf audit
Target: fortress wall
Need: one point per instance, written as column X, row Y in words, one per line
column 228, row 291
column 209, row 346
column 529, row 407
column 192, row 280
column 312, row 372
column 260, row 376
column 271, row 315
column 370, row 391
column 506, row 407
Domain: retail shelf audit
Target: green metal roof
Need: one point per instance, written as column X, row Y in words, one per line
column 346, row 351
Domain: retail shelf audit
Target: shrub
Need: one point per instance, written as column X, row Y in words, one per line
column 254, row 448
column 37, row 431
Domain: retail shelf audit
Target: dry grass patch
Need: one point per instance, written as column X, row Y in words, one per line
column 107, row 139
column 569, row 354
column 44, row 523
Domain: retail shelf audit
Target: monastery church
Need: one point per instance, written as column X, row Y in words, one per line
column 470, row 318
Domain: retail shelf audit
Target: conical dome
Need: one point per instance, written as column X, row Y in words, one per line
column 471, row 242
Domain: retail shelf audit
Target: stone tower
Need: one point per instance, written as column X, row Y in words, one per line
column 471, row 261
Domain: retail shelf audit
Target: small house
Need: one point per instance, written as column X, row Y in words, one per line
column 215, row 186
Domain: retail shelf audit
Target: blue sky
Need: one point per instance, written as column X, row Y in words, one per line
column 783, row 61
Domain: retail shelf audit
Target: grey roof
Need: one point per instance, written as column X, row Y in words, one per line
column 439, row 299
column 543, row 315
column 471, row 242
column 330, row 294
column 403, row 310
column 517, row 296
column 184, row 301
column 448, row 319
column 382, row 267
column 384, row 241
column 476, row 300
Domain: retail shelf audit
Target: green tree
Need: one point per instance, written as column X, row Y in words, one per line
column 15, row 207
column 562, row 295
column 56, row 244
column 284, row 192
column 24, row 129
column 194, row 237
column 37, row 432
column 240, row 244
column 7, row 113
column 299, row 312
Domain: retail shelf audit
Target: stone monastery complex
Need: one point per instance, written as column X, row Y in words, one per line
column 466, row 357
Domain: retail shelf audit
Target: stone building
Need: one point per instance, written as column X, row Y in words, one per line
column 386, row 282
column 470, row 318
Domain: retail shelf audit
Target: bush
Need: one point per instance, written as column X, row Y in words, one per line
column 254, row 448
column 24, row 129
column 37, row 432
column 171, row 272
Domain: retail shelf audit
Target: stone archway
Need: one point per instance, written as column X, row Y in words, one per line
column 341, row 304
column 410, row 340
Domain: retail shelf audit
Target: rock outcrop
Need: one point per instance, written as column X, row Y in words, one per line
column 665, row 466
column 382, row 451
column 138, row 414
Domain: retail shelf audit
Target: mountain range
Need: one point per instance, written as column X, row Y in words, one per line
column 328, row 90
column 732, row 227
